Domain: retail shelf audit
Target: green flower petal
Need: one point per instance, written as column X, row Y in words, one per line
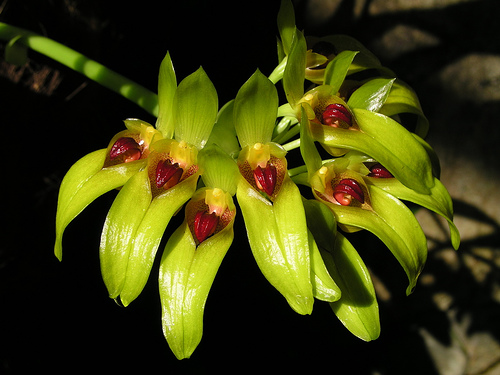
column 186, row 275
column 286, row 25
column 337, row 69
column 387, row 142
column 371, row 95
column 85, row 181
column 167, row 84
column 294, row 74
column 255, row 109
column 123, row 218
column 195, row 109
column 322, row 231
column 278, row 237
column 402, row 99
column 394, row 224
column 219, row 169
column 357, row 309
column 148, row 236
column 438, row 201
column 223, row 133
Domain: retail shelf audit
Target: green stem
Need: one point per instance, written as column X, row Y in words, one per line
column 82, row 64
column 277, row 73
column 292, row 145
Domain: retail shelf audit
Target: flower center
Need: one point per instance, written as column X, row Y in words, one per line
column 337, row 116
column 126, row 147
column 167, row 174
column 379, row 171
column 346, row 190
column 205, row 224
column 265, row 178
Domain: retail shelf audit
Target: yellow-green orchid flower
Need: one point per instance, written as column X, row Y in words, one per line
column 195, row 251
column 101, row 171
column 143, row 208
column 270, row 202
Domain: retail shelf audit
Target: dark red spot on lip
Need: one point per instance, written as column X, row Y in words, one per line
column 346, row 189
column 126, row 147
column 265, row 178
column 379, row 171
column 204, row 225
column 167, row 174
column 335, row 113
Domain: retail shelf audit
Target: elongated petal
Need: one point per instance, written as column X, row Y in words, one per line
column 167, row 84
column 294, row 74
column 124, row 216
column 324, row 287
column 195, row 109
column 372, row 95
column 357, row 309
column 220, row 170
column 148, row 236
column 86, row 181
column 337, row 69
column 277, row 234
column 286, row 25
column 387, row 142
column 186, row 276
column 394, row 224
column 223, row 133
column 255, row 109
column 438, row 201
column 402, row 99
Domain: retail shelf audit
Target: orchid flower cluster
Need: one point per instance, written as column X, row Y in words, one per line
column 358, row 164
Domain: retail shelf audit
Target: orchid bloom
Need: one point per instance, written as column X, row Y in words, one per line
column 357, row 161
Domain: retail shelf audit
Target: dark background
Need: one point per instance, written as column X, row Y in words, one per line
column 57, row 316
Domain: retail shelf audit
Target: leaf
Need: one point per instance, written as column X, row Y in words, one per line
column 357, row 309
column 16, row 53
column 371, row 95
column 255, row 109
column 167, row 84
column 195, row 109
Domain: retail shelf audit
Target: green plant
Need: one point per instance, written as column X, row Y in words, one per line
column 339, row 135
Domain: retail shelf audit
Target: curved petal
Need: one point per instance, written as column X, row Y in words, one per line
column 124, row 216
column 255, row 109
column 337, row 69
column 371, row 95
column 167, row 84
column 148, row 236
column 195, row 109
column 85, row 181
column 357, row 309
column 387, row 142
column 438, row 201
column 394, row 224
column 277, row 234
column 186, row 276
